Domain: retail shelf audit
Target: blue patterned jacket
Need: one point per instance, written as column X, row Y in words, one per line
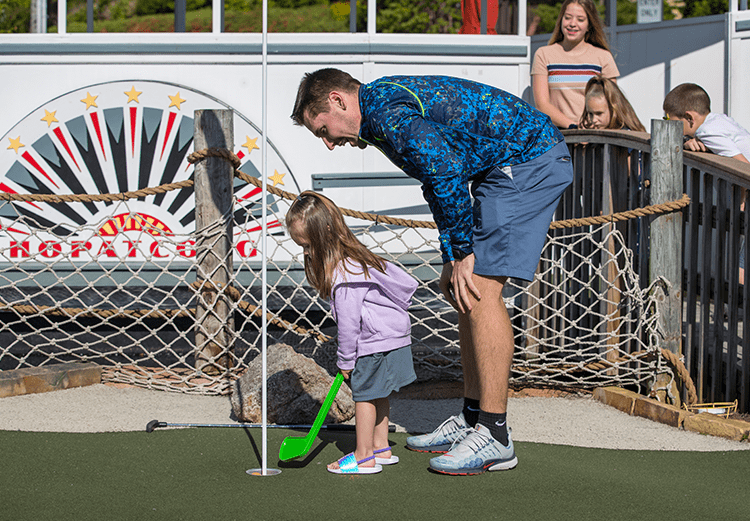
column 445, row 132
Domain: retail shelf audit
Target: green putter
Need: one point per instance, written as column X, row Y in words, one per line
column 296, row 446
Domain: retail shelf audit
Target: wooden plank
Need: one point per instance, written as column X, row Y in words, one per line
column 214, row 177
column 614, row 288
column 745, row 380
column 719, row 298
column 705, row 275
column 47, row 378
column 692, row 355
column 730, row 388
column 666, row 229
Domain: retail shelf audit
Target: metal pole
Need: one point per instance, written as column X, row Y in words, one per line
column 217, row 16
column 264, row 470
column 522, row 15
column 39, row 16
column 372, row 11
column 612, row 22
column 263, row 241
column 62, row 16
column 89, row 16
column 483, row 18
column 352, row 16
column 179, row 15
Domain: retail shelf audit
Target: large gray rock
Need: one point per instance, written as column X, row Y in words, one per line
column 297, row 387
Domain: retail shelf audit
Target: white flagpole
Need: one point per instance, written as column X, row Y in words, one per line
column 264, row 229
column 264, row 470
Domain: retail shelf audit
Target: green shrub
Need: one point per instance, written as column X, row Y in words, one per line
column 15, row 16
column 413, row 16
column 294, row 4
column 241, row 5
column 147, row 7
column 705, row 7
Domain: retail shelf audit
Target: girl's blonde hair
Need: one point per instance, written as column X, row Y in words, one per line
column 622, row 115
column 595, row 34
column 330, row 241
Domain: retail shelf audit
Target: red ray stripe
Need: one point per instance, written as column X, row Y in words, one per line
column 14, row 230
column 170, row 122
column 7, row 189
column 64, row 142
column 95, row 121
column 133, row 112
column 272, row 224
column 33, row 163
column 253, row 192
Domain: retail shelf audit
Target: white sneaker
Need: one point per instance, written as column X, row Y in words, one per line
column 441, row 439
column 476, row 452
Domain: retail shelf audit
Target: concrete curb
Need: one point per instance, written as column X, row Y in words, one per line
column 635, row 404
column 48, row 378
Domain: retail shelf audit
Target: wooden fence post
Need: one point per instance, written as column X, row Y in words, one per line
column 214, row 178
column 666, row 230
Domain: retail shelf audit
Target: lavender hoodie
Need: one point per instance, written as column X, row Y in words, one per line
column 371, row 312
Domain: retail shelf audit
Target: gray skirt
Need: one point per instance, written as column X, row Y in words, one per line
column 378, row 375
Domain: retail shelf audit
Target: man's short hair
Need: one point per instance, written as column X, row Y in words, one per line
column 313, row 91
column 687, row 96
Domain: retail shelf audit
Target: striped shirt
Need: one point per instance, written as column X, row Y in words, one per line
column 568, row 72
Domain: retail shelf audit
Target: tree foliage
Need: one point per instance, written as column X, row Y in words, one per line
column 147, row 7
column 627, row 13
column 705, row 7
column 413, row 16
column 15, row 16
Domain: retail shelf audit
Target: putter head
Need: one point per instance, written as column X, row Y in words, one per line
column 296, row 446
column 154, row 424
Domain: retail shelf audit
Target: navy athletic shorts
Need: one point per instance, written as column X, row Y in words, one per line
column 513, row 209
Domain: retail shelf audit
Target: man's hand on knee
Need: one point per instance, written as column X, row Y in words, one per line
column 461, row 278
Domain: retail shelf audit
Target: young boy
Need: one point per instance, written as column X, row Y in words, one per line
column 721, row 134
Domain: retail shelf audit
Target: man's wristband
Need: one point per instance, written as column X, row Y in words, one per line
column 460, row 255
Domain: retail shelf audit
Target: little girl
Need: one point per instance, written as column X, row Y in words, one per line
column 369, row 300
column 607, row 107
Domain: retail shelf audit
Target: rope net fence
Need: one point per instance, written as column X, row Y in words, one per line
column 125, row 293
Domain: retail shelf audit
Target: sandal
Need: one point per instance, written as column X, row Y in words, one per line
column 349, row 465
column 385, row 461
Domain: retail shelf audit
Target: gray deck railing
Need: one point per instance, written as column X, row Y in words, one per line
column 614, row 172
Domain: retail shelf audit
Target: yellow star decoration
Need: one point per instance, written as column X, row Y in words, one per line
column 90, row 101
column 277, row 178
column 250, row 144
column 176, row 101
column 15, row 144
column 133, row 94
column 49, row 117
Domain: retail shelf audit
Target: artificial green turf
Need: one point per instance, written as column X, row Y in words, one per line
column 200, row 474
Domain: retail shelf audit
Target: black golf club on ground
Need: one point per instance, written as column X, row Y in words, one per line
column 156, row 424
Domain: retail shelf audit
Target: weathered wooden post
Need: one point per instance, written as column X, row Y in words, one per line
column 666, row 233
column 613, row 280
column 214, row 176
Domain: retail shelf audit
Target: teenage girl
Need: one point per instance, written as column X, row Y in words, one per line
column 577, row 51
column 606, row 107
column 369, row 300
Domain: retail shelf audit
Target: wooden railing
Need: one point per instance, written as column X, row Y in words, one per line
column 698, row 250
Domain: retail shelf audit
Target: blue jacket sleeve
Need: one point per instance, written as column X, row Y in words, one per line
column 427, row 155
